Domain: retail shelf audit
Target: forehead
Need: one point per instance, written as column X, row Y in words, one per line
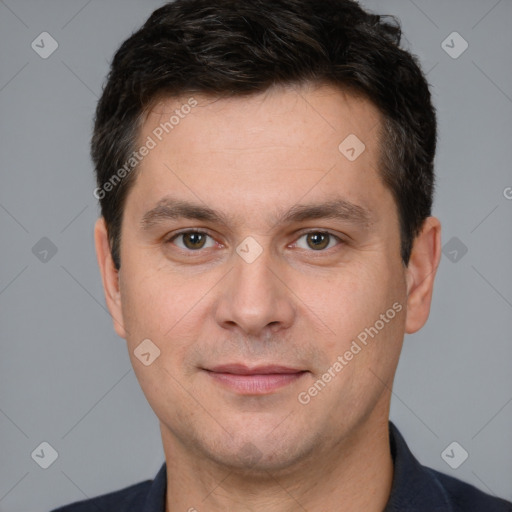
column 298, row 115
column 275, row 147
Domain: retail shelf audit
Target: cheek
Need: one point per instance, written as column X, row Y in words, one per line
column 157, row 307
column 345, row 298
column 350, row 303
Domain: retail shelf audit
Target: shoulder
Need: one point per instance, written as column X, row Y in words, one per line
column 466, row 498
column 123, row 500
column 421, row 489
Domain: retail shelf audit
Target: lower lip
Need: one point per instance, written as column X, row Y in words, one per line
column 260, row 384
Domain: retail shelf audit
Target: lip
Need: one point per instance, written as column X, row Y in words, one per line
column 257, row 380
column 242, row 369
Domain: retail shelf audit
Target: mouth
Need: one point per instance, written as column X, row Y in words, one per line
column 259, row 380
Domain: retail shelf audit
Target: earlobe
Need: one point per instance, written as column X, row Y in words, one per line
column 109, row 276
column 421, row 272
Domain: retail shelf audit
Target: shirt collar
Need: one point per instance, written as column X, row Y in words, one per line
column 155, row 499
column 415, row 488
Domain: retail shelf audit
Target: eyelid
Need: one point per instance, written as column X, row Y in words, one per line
column 188, row 230
column 308, row 231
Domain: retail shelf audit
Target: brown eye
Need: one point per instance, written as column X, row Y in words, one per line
column 193, row 240
column 318, row 241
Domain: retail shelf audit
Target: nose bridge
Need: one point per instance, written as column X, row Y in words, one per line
column 253, row 297
column 253, row 280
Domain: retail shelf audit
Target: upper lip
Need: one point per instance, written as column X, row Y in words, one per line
column 241, row 369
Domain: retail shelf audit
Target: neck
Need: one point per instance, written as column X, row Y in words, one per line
column 355, row 476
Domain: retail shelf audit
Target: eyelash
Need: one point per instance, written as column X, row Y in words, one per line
column 189, row 231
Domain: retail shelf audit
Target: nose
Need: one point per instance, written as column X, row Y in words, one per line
column 254, row 300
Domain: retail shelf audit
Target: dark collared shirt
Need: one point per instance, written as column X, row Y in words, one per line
column 415, row 488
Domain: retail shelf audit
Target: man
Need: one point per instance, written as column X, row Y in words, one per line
column 265, row 173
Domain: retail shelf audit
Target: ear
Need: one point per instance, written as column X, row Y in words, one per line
column 109, row 276
column 421, row 272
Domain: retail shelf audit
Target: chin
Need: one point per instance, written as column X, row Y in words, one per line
column 254, row 453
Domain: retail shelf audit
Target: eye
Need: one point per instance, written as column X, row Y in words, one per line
column 192, row 240
column 317, row 240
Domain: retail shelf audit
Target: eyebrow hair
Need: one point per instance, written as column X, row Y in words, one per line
column 169, row 208
column 334, row 209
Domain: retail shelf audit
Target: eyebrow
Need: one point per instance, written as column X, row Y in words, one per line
column 335, row 209
column 172, row 209
column 169, row 208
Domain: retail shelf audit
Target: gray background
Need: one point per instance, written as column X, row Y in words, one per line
column 65, row 377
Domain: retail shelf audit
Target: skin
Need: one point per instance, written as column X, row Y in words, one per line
column 253, row 159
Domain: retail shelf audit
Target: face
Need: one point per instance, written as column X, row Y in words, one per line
column 263, row 262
